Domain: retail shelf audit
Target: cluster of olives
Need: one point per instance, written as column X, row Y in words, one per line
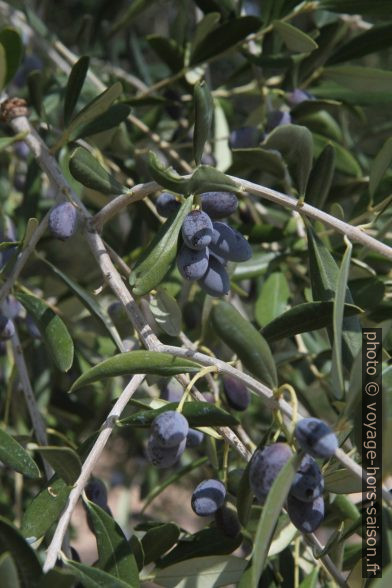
column 170, row 434
column 208, row 243
column 305, row 503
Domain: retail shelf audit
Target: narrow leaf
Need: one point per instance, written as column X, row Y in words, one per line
column 273, row 297
column 89, row 172
column 321, row 177
column 167, row 50
column 114, row 551
column 242, row 337
column 345, row 161
column 204, row 572
column 27, row 564
column 198, row 414
column 379, row 166
column 302, row 318
column 295, row 39
column 12, row 45
column 74, row 86
column 136, row 362
column 156, row 260
column 14, row 456
column 64, row 461
column 338, row 309
column 112, row 118
column 269, row 518
column 55, row 334
column 359, row 78
column 166, row 312
column 8, row 571
column 157, row 541
column 94, row 577
column 204, row 106
column 375, row 39
column 44, row 509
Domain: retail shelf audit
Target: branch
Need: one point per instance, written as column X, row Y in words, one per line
column 88, row 466
column 353, row 233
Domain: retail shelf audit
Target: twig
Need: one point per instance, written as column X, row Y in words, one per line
column 116, row 205
column 354, row 233
column 35, row 416
column 88, row 466
column 23, row 258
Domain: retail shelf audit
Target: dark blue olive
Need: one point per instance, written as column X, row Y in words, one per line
column 21, row 149
column 163, row 457
column 316, row 437
column 7, row 328
column 215, row 281
column 207, row 497
column 244, row 138
column 219, row 204
column 298, row 96
column 169, row 428
column 227, row 521
column 166, row 204
column 29, row 64
column 62, row 220
column 96, row 492
column 229, row 243
column 237, row 394
column 265, row 466
column 306, row 516
column 308, row 483
column 32, row 328
column 192, row 264
column 277, row 118
column 197, row 230
column 194, row 438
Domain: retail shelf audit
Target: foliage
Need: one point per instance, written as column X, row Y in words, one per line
column 283, row 104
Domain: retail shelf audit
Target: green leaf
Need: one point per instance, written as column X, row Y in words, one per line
column 166, row 312
column 342, row 481
column 295, row 143
column 136, row 362
column 197, row 413
column 94, row 577
column 257, row 265
column 203, row 543
column 8, row 571
column 324, row 276
column 167, row 50
column 27, row 564
column 244, row 497
column 157, row 541
column 204, row 572
column 44, row 509
column 204, row 106
column 338, row 310
column 360, row 79
column 321, row 176
column 156, row 260
column 35, row 85
column 61, row 578
column 295, row 39
column 90, row 112
column 310, row 581
column 302, row 318
column 203, row 179
column 379, row 8
column 127, row 16
column 89, row 172
column 242, row 337
column 333, row 91
column 112, row 118
column 379, row 166
column 268, row 160
column 269, row 518
column 206, row 25
column 7, row 141
column 223, row 37
column 3, row 66
column 14, row 456
column 54, row 332
column 114, row 551
column 88, row 301
column 272, row 299
column 345, row 162
column 74, row 86
column 375, row 39
column 64, row 461
column 12, row 49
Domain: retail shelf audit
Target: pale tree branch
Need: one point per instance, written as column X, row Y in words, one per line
column 88, row 466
